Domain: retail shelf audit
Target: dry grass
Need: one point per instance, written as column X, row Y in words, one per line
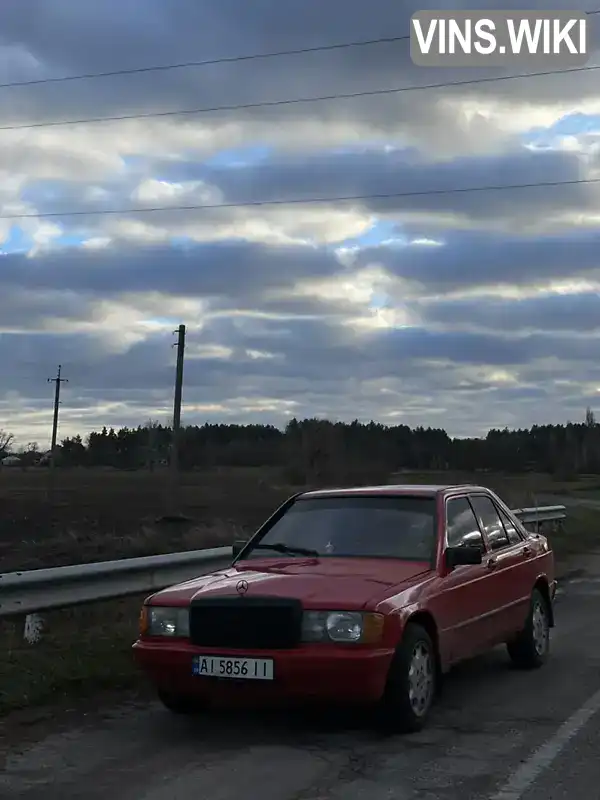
column 103, row 515
column 580, row 535
column 82, row 650
column 98, row 515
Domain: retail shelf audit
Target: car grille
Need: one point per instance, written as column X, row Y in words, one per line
column 257, row 623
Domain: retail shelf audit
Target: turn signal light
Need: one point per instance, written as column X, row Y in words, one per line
column 372, row 628
column 143, row 621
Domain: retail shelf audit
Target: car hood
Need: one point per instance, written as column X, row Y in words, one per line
column 327, row 582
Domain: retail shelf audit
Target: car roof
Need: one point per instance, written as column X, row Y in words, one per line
column 407, row 489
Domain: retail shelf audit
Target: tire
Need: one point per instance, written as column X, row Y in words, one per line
column 404, row 707
column 178, row 703
column 531, row 648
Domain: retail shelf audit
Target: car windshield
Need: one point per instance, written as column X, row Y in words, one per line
column 401, row 527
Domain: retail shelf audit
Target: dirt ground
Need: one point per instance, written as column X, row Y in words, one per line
column 101, row 515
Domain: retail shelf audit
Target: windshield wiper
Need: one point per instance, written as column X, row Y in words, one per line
column 279, row 547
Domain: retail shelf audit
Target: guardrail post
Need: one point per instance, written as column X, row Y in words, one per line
column 34, row 625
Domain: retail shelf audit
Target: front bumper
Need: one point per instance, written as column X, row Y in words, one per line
column 323, row 673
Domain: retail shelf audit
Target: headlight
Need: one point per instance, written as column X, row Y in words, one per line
column 342, row 627
column 165, row 621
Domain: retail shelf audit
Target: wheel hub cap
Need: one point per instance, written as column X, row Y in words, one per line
column 420, row 679
column 540, row 629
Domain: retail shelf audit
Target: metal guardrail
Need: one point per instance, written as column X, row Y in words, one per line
column 58, row 587
column 541, row 514
column 39, row 590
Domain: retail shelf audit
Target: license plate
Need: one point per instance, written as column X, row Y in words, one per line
column 257, row 669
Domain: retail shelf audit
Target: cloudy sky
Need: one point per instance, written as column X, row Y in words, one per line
column 461, row 309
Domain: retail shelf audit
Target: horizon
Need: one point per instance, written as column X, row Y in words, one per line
column 16, row 448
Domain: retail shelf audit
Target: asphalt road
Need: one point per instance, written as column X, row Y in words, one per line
column 497, row 734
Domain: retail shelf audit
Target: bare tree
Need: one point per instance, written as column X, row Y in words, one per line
column 6, row 439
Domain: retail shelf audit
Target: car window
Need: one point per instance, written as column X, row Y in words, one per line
column 490, row 522
column 390, row 526
column 514, row 537
column 461, row 524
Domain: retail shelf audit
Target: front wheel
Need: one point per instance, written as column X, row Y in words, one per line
column 178, row 703
column 531, row 648
column 411, row 685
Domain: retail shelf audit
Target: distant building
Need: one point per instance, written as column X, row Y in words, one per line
column 10, row 461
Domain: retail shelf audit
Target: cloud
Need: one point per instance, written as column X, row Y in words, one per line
column 432, row 188
column 453, row 308
column 464, row 119
column 467, row 260
column 217, row 268
column 236, row 369
column 560, row 312
column 400, row 185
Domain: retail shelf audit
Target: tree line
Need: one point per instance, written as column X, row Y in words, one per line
column 318, row 449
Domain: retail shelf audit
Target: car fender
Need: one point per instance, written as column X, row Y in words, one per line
column 550, row 586
column 423, row 616
column 408, row 611
column 420, row 615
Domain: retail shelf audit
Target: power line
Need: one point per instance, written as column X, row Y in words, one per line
column 294, row 101
column 302, row 201
column 209, row 62
column 221, row 60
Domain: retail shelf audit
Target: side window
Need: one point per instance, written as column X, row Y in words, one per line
column 490, row 521
column 461, row 525
column 514, row 537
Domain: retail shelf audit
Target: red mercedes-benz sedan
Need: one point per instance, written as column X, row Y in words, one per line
column 364, row 596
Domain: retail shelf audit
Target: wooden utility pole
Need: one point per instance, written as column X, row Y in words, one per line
column 174, row 461
column 57, row 381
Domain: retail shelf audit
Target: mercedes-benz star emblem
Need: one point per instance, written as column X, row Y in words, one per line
column 242, row 587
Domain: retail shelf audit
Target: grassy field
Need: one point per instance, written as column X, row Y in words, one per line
column 99, row 515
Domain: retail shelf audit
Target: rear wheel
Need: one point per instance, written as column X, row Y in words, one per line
column 531, row 648
column 178, row 703
column 411, row 685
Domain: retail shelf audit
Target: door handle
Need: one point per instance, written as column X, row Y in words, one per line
column 492, row 563
column 527, row 551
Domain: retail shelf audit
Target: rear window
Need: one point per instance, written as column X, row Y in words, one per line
column 369, row 527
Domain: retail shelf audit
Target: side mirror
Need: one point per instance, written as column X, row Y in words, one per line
column 463, row 555
column 238, row 546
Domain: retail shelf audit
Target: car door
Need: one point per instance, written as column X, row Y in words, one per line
column 465, row 602
column 508, row 582
column 525, row 569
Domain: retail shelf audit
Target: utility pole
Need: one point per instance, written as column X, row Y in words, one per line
column 57, row 381
column 174, row 461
